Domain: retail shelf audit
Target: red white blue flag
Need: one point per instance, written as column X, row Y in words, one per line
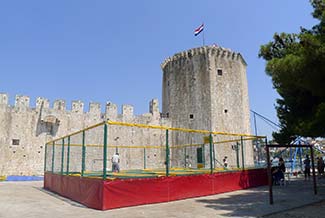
column 199, row 29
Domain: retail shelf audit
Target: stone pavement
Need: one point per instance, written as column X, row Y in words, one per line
column 315, row 210
column 29, row 199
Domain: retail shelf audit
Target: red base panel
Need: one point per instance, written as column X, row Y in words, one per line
column 103, row 195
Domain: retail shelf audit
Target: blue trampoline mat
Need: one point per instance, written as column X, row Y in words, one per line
column 24, row 178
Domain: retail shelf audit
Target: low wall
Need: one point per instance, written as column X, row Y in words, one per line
column 109, row 194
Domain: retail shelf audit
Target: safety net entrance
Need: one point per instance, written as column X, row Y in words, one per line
column 147, row 151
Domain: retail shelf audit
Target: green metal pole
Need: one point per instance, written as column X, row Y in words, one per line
column 237, row 154
column 167, row 154
column 62, row 156
column 211, row 150
column 53, row 151
column 68, row 156
column 45, row 154
column 242, row 152
column 214, row 155
column 203, row 156
column 83, row 154
column 185, row 157
column 144, row 158
column 105, row 152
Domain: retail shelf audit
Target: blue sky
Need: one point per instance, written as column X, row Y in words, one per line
column 98, row 51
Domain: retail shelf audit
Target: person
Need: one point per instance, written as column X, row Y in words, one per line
column 307, row 167
column 281, row 171
column 274, row 172
column 225, row 162
column 115, row 163
column 188, row 162
column 320, row 166
column 278, row 173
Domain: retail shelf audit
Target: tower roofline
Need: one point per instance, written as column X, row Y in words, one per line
column 213, row 49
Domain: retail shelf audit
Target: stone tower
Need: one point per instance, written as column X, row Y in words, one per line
column 206, row 88
column 203, row 88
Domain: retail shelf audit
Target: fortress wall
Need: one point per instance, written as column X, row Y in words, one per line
column 195, row 96
column 125, row 136
column 5, row 126
column 26, row 129
column 17, row 147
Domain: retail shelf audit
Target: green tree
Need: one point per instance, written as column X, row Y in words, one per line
column 296, row 64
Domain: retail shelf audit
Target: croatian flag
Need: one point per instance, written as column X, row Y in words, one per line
column 199, row 29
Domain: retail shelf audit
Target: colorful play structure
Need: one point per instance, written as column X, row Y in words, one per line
column 296, row 154
column 163, row 164
column 291, row 145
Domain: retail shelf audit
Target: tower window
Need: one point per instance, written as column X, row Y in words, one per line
column 191, row 116
column 15, row 142
column 219, row 72
column 226, row 111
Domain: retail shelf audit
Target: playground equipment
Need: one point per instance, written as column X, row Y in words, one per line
column 296, row 154
column 153, row 158
column 159, row 151
column 300, row 145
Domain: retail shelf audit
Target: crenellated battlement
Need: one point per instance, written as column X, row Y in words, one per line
column 59, row 105
column 154, row 106
column 42, row 103
column 3, row 99
column 94, row 108
column 200, row 88
column 77, row 107
column 127, row 111
column 213, row 50
column 22, row 103
column 111, row 111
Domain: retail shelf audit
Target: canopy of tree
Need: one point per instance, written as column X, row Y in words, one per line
column 296, row 63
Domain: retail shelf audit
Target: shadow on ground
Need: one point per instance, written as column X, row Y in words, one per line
column 66, row 200
column 255, row 201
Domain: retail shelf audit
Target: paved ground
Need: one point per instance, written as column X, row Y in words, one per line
column 29, row 199
column 316, row 210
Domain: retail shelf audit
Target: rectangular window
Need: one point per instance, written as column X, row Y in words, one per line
column 15, row 142
column 219, row 72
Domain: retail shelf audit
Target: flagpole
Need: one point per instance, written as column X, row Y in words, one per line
column 203, row 37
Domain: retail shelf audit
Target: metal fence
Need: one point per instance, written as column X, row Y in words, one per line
column 147, row 151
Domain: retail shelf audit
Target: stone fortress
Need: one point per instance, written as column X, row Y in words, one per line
column 203, row 88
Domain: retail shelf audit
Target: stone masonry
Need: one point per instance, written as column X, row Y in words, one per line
column 206, row 88
column 203, row 88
